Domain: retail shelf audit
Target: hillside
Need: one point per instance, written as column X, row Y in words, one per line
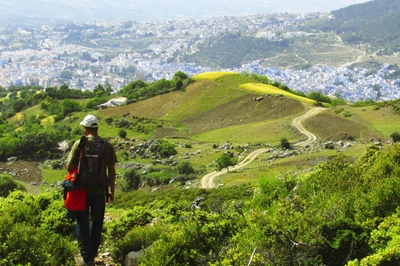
column 330, row 182
column 217, row 105
column 375, row 22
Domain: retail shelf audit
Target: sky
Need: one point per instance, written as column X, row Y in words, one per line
column 158, row 10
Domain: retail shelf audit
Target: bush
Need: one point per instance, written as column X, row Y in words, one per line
column 7, row 185
column 136, row 239
column 29, row 234
column 26, row 245
column 122, row 133
column 395, row 136
column 185, row 168
column 132, row 180
column 284, row 144
column 117, row 229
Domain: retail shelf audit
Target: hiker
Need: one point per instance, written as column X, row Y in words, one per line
column 89, row 223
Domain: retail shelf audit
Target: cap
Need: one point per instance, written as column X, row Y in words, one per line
column 90, row 121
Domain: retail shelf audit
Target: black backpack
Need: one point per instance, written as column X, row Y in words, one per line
column 92, row 171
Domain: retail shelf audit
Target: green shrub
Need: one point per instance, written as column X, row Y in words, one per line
column 284, row 144
column 395, row 136
column 8, row 184
column 185, row 168
column 32, row 231
column 138, row 238
column 132, row 180
column 28, row 245
column 122, row 133
column 117, row 229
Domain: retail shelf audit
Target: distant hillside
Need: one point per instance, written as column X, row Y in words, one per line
column 222, row 109
column 232, row 49
column 375, row 22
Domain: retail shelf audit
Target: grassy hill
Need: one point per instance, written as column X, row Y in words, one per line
column 225, row 102
column 222, row 107
column 374, row 22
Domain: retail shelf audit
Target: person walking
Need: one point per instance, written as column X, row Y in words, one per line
column 89, row 223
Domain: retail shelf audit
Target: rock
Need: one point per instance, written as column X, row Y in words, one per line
column 11, row 159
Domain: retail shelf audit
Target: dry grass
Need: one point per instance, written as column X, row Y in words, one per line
column 329, row 126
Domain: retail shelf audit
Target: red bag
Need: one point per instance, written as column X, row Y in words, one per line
column 74, row 198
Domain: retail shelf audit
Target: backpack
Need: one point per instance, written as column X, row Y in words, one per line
column 92, row 172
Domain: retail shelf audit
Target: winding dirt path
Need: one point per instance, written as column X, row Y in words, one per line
column 207, row 181
column 297, row 123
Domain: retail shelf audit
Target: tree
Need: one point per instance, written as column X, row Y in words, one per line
column 180, row 75
column 284, row 144
column 224, row 161
column 132, row 180
column 18, row 105
column 68, row 106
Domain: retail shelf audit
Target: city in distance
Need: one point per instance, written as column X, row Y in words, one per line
column 116, row 52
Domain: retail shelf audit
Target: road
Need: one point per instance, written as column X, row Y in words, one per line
column 207, row 181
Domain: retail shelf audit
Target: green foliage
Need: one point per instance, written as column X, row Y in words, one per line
column 8, row 184
column 224, row 161
column 26, row 245
column 132, row 180
column 69, row 106
column 92, row 103
column 363, row 103
column 140, row 90
column 185, row 168
column 29, row 234
column 195, row 242
column 242, row 48
column 139, row 237
column 374, row 22
column 319, row 97
column 8, row 147
column 122, row 133
column 338, row 101
column 284, row 144
column 117, row 229
column 395, row 136
column 36, row 142
column 166, row 149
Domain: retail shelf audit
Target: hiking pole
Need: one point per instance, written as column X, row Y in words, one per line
column 252, row 256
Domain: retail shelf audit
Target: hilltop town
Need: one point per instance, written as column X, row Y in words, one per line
column 114, row 53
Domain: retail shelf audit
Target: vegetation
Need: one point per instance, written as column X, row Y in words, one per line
column 319, row 209
column 213, row 53
column 8, row 185
column 225, row 161
column 288, row 219
column 374, row 22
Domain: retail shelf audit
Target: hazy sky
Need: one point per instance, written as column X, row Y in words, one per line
column 88, row 10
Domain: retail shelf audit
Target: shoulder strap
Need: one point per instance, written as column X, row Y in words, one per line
column 81, row 147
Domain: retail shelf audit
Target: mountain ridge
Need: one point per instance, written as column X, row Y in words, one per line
column 142, row 10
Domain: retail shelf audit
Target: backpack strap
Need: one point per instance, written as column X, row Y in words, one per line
column 81, row 147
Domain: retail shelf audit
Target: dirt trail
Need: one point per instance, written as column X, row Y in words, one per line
column 297, row 123
column 207, row 181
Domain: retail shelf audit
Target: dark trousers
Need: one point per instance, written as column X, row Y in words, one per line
column 89, row 225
